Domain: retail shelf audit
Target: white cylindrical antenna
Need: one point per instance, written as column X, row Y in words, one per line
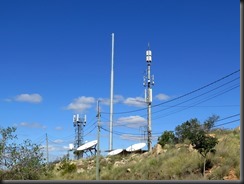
column 71, row 146
column 149, row 56
column 74, row 118
column 77, row 117
column 84, row 123
column 150, row 95
column 111, row 97
column 146, row 95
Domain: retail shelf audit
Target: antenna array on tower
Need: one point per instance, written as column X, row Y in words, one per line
column 78, row 123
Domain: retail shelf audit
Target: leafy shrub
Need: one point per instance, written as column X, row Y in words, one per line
column 219, row 173
column 66, row 166
column 24, row 161
column 167, row 137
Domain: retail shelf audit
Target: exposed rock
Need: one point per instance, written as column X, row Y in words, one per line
column 119, row 163
column 178, row 146
column 79, row 163
column 133, row 162
column 128, row 170
column 231, row 175
column 157, row 149
column 145, row 154
column 81, row 170
column 190, row 148
column 212, row 135
column 107, row 159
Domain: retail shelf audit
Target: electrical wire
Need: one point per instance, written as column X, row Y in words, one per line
column 206, row 99
column 227, row 123
column 193, row 97
column 187, row 94
column 215, row 122
column 199, row 102
column 228, row 117
column 133, row 134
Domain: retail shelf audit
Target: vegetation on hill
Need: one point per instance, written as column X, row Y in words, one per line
column 194, row 151
column 22, row 161
column 174, row 158
column 196, row 133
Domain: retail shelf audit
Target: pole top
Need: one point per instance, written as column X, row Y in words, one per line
column 148, row 54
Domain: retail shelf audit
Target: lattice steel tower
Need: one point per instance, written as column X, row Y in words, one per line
column 79, row 124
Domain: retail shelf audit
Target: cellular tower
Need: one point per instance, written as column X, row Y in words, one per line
column 78, row 123
column 148, row 83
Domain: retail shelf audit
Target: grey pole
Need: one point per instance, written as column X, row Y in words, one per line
column 98, row 143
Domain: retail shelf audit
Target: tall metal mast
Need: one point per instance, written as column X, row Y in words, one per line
column 111, row 97
column 148, row 82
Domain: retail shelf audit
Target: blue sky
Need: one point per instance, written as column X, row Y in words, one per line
column 55, row 61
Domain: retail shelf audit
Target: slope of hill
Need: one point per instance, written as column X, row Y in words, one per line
column 173, row 162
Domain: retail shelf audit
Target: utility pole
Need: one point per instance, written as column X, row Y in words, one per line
column 148, row 82
column 98, row 143
column 47, row 148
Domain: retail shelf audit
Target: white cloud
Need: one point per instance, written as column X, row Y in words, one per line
column 117, row 99
column 31, row 98
column 66, row 148
column 53, row 148
column 137, row 101
column 58, row 128
column 137, row 138
column 57, row 141
column 104, row 101
column 162, row 96
column 8, row 100
column 131, row 121
column 81, row 104
column 32, row 125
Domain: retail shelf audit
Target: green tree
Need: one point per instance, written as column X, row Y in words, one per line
column 167, row 137
column 22, row 161
column 204, row 144
column 7, row 134
column 209, row 123
column 198, row 135
column 187, row 129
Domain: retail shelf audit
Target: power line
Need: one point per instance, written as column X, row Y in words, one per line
column 196, row 96
column 228, row 117
column 66, row 137
column 90, row 131
column 200, row 88
column 120, row 133
column 194, row 91
column 227, row 123
column 94, row 124
column 217, row 121
column 206, row 99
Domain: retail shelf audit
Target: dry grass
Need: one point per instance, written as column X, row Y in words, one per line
column 176, row 164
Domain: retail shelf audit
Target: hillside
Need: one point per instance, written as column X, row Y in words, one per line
column 172, row 162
